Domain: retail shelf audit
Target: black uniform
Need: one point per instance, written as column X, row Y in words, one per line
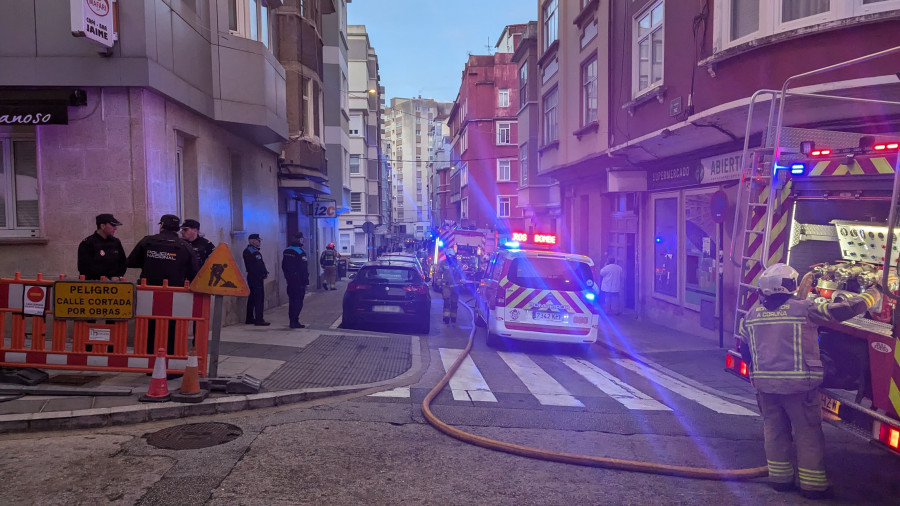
column 295, row 265
column 163, row 256
column 101, row 257
column 256, row 275
column 203, row 248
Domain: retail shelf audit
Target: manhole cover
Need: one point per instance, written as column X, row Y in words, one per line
column 194, row 435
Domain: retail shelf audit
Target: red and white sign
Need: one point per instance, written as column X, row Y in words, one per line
column 34, row 300
column 94, row 19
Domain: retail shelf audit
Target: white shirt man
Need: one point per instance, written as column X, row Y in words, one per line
column 612, row 281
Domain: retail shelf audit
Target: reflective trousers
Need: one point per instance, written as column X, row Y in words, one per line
column 794, row 418
column 330, row 275
column 451, row 302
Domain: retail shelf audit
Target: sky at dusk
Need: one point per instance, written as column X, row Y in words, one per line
column 422, row 45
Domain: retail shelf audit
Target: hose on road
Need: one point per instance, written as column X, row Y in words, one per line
column 572, row 458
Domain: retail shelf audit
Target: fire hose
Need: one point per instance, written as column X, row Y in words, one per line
column 572, row 458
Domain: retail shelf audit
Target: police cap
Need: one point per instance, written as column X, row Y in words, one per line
column 189, row 223
column 253, row 236
column 108, row 218
column 170, row 221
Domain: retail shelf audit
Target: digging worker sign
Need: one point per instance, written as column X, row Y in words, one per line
column 93, row 299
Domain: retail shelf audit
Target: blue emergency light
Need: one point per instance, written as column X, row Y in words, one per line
column 440, row 243
column 798, row 169
column 512, row 244
column 590, row 296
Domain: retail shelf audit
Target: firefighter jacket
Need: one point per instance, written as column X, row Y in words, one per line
column 295, row 265
column 451, row 275
column 99, row 256
column 164, row 256
column 328, row 258
column 255, row 265
column 783, row 341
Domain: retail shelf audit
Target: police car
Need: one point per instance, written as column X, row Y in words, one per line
column 533, row 293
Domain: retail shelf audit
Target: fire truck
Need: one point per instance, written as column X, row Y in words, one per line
column 826, row 201
column 472, row 247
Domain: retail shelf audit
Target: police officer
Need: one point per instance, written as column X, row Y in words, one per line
column 781, row 344
column 328, row 260
column 295, row 265
column 190, row 232
column 256, row 275
column 164, row 257
column 451, row 280
column 101, row 253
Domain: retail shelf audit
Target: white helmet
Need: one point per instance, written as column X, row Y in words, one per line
column 778, row 278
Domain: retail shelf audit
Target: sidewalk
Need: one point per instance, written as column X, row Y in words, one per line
column 322, row 360
column 294, row 365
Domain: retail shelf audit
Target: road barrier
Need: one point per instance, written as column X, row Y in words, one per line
column 98, row 337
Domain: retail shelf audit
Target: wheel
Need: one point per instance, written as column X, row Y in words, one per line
column 493, row 340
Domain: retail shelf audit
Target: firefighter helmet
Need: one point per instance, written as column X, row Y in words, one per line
column 778, row 278
column 331, row 245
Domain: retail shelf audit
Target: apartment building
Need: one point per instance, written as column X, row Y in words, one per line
column 408, row 127
column 439, row 174
column 484, row 131
column 184, row 113
column 358, row 224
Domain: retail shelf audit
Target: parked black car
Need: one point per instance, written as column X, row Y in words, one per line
column 385, row 291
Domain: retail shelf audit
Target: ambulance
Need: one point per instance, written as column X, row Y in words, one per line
column 530, row 292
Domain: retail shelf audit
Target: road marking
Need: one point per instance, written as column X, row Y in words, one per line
column 337, row 323
column 625, row 394
column 708, row 400
column 396, row 392
column 467, row 383
column 547, row 390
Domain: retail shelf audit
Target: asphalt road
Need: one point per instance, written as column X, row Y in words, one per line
column 378, row 449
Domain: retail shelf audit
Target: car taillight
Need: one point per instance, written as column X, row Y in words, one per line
column 355, row 287
column 422, row 289
column 890, row 436
column 729, row 361
column 745, row 371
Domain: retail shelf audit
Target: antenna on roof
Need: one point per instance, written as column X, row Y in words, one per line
column 489, row 46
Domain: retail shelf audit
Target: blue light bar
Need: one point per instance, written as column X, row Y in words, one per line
column 512, row 244
column 798, row 168
column 590, row 296
column 440, row 243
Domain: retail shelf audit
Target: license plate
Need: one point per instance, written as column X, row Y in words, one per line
column 829, row 404
column 545, row 316
column 386, row 309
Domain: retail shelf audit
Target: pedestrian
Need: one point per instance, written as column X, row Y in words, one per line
column 190, row 232
column 781, row 346
column 101, row 253
column 328, row 260
column 164, row 257
column 295, row 265
column 256, row 276
column 612, row 280
column 451, row 280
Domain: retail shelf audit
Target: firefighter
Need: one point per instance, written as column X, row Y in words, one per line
column 781, row 344
column 328, row 260
column 451, row 279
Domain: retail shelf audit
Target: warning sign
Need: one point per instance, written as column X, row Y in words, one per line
column 34, row 300
column 220, row 275
column 93, row 299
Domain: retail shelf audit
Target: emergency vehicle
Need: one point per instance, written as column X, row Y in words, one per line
column 826, row 202
column 531, row 292
column 471, row 248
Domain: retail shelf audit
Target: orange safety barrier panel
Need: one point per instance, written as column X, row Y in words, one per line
column 101, row 345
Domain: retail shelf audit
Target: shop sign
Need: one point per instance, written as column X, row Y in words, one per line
column 324, row 209
column 94, row 19
column 717, row 169
column 47, row 113
column 687, row 174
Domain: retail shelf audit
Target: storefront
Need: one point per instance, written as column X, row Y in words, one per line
column 688, row 218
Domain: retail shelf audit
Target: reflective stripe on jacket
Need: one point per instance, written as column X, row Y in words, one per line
column 784, row 342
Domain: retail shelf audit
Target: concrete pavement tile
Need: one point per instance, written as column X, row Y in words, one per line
column 68, row 404
column 24, row 405
column 257, row 367
column 115, row 401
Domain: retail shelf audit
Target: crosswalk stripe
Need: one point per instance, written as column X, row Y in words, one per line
column 402, row 392
column 625, row 394
column 467, row 383
column 708, row 400
column 547, row 390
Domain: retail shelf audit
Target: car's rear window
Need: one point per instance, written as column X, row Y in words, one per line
column 550, row 273
column 387, row 275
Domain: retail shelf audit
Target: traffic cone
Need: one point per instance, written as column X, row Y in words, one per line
column 159, row 389
column 190, row 382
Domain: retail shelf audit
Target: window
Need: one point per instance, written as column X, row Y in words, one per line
column 523, row 81
column 523, row 164
column 356, row 202
column 503, row 132
column 19, row 197
column 503, row 173
column 648, row 51
column 550, row 23
column 249, row 19
column 665, row 238
column 463, row 175
column 503, row 207
column 503, row 98
column 589, row 92
column 550, row 118
column 464, row 208
column 354, row 164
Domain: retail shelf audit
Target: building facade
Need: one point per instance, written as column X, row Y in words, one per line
column 439, row 174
